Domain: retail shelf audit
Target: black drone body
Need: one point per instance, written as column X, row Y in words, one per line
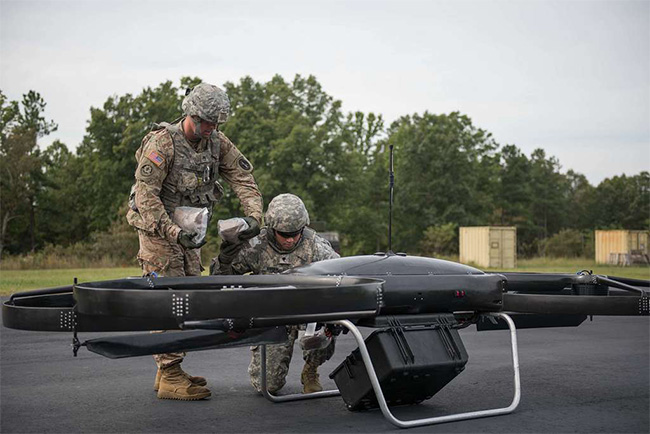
column 415, row 285
column 356, row 288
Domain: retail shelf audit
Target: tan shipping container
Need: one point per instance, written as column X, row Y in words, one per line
column 620, row 241
column 488, row 246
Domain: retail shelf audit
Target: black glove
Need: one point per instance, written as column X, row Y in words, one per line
column 253, row 229
column 185, row 240
column 228, row 252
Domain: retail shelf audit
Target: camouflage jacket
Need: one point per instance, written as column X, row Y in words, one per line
column 172, row 172
column 260, row 255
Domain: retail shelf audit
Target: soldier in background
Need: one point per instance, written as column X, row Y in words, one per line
column 284, row 242
column 178, row 165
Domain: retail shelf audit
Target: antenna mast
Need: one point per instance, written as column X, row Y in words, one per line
column 391, row 185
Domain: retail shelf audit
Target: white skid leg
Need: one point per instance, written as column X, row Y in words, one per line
column 440, row 419
column 291, row 397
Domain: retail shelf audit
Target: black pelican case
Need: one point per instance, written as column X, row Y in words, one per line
column 412, row 362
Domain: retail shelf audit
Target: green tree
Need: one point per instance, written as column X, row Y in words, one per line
column 549, row 204
column 20, row 165
column 440, row 240
column 62, row 219
column 299, row 141
column 581, row 200
column 514, row 189
column 513, row 202
column 445, row 173
column 623, row 202
column 113, row 135
column 448, row 173
column 287, row 131
column 570, row 243
column 360, row 210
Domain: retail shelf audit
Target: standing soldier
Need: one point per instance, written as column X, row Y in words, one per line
column 178, row 166
column 284, row 242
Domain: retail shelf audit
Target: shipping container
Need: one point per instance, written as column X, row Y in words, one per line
column 489, row 246
column 616, row 246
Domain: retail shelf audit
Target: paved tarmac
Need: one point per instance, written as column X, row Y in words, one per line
column 594, row 378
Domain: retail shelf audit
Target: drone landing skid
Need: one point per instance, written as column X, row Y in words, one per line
column 379, row 393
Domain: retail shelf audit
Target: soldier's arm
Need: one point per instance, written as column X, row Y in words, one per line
column 219, row 268
column 324, row 250
column 153, row 166
column 241, row 264
column 237, row 171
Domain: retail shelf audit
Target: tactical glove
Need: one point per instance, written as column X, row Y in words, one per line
column 253, row 229
column 185, row 240
column 228, row 252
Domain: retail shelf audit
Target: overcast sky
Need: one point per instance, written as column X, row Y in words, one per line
column 571, row 77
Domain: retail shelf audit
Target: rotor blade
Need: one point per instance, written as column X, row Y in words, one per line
column 620, row 285
column 630, row 281
column 575, row 304
column 59, row 290
column 280, row 295
column 538, row 282
column 117, row 347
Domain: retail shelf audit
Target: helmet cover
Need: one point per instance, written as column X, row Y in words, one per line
column 208, row 102
column 286, row 213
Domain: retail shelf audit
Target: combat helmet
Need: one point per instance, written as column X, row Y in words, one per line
column 286, row 213
column 208, row 102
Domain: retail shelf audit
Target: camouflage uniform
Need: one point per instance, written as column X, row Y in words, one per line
column 261, row 255
column 173, row 172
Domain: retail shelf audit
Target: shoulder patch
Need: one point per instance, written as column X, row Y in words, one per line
column 244, row 164
column 155, row 158
column 146, row 170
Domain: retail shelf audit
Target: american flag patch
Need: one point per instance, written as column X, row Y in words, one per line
column 156, row 158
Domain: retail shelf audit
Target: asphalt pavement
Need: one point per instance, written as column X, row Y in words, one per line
column 593, row 378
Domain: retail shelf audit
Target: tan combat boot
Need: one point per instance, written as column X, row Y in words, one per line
column 199, row 381
column 174, row 384
column 309, row 379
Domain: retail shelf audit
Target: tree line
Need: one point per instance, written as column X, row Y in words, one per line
column 449, row 173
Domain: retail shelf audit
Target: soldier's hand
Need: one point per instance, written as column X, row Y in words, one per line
column 185, row 240
column 253, row 229
column 228, row 252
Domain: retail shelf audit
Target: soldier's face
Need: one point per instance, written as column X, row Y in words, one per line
column 206, row 128
column 287, row 241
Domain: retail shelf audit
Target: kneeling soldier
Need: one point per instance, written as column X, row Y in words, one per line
column 284, row 242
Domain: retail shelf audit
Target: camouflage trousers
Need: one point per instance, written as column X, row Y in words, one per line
column 278, row 358
column 171, row 260
column 166, row 258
